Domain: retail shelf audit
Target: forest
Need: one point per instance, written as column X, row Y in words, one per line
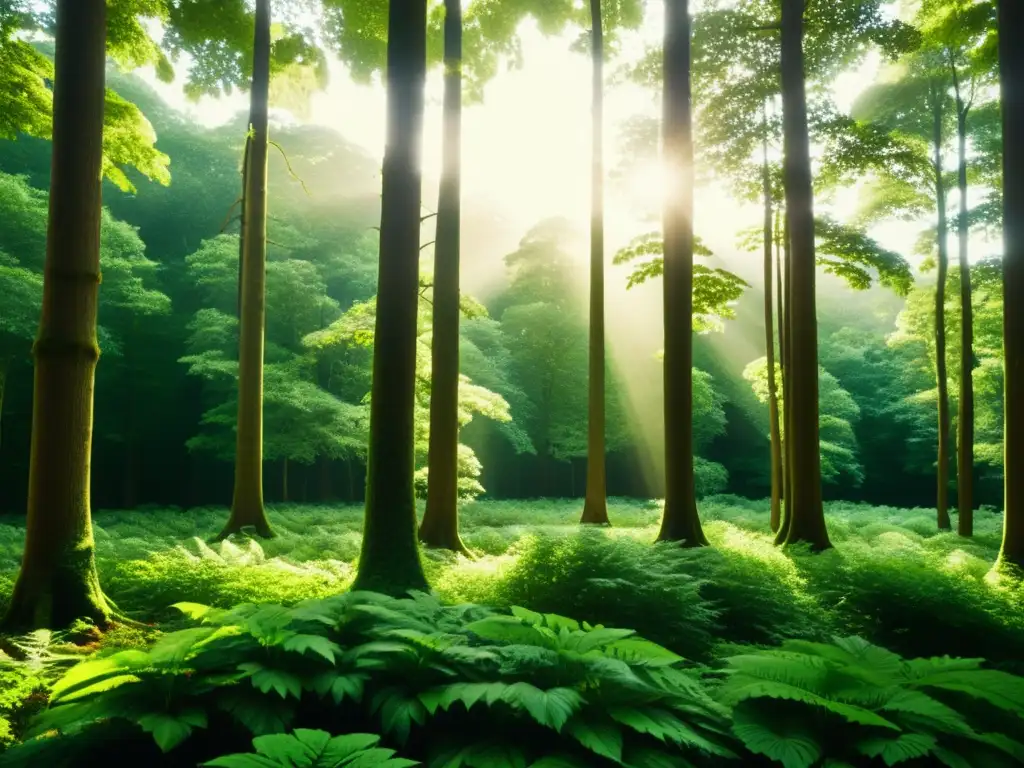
column 512, row 383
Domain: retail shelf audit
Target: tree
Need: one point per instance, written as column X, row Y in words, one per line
column 440, row 526
column 247, row 510
column 58, row 582
column 806, row 519
column 680, row 521
column 389, row 561
column 595, row 504
column 1011, row 73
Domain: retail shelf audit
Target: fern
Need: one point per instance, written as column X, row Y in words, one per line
column 305, row 748
column 428, row 677
column 849, row 700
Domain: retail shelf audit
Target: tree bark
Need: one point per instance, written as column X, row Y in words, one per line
column 783, row 362
column 680, row 521
column 595, row 504
column 440, row 526
column 247, row 510
column 58, row 582
column 941, row 377
column 787, row 366
column 965, row 406
column 389, row 561
column 769, row 334
column 807, row 518
column 1011, row 65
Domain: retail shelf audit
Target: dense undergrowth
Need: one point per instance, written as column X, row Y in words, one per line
column 892, row 580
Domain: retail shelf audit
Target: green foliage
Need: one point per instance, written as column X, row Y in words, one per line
column 448, row 683
column 714, row 289
column 838, row 416
column 305, row 748
column 847, row 700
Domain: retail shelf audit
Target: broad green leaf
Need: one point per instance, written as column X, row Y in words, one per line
column 790, row 742
column 906, row 746
column 316, row 643
column 602, row 738
column 266, row 680
column 170, row 730
column 508, row 629
column 192, row 610
column 551, row 708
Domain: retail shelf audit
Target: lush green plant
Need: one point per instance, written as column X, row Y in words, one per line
column 849, row 702
column 306, row 748
column 453, row 685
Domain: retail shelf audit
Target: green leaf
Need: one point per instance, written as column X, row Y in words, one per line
column 89, row 673
column 599, row 638
column 174, row 648
column 192, row 610
column 170, row 730
column 602, row 738
column 1000, row 689
column 468, row 693
column 398, row 711
column 316, row 643
column 507, row 629
column 339, row 686
column 559, row 761
column 788, row 741
column 243, row 761
column 267, row 680
column 636, row 650
column 551, row 708
column 259, row 714
column 905, row 747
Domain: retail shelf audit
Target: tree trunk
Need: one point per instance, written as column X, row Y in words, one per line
column 3, row 387
column 783, row 362
column 769, row 334
column 247, row 510
column 965, row 409
column 680, row 521
column 440, row 527
column 284, row 480
column 58, row 582
column 1011, row 64
column 390, row 560
column 807, row 518
column 787, row 366
column 941, row 377
column 595, row 504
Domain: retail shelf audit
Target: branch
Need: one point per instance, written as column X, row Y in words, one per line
column 427, row 245
column 291, row 172
column 229, row 218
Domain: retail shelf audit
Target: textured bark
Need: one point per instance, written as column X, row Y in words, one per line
column 58, row 582
column 941, row 377
column 1011, row 63
column 807, row 519
column 786, row 287
column 769, row 337
column 440, row 526
column 783, row 360
column 595, row 504
column 680, row 521
column 247, row 510
column 965, row 406
column 389, row 561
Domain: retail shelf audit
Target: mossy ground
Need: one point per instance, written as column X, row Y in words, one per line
column 891, row 578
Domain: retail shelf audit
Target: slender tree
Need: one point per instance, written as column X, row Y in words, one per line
column 440, row 526
column 247, row 510
column 775, row 436
column 680, row 521
column 389, row 561
column 595, row 505
column 58, row 582
column 1011, row 71
column 937, row 100
column 806, row 521
column 965, row 404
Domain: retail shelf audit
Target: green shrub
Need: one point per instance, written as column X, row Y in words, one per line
column 450, row 685
column 853, row 703
column 314, row 749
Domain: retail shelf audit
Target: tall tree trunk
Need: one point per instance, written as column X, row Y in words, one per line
column 440, row 527
column 781, row 322
column 965, row 406
column 769, row 334
column 247, row 510
column 284, row 480
column 595, row 504
column 786, row 287
column 941, row 377
column 807, row 519
column 1011, row 65
column 58, row 582
column 390, row 560
column 680, row 521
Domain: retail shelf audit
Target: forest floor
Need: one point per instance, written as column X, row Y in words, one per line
column 891, row 578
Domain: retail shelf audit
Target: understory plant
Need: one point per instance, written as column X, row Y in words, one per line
column 850, row 703
column 450, row 686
